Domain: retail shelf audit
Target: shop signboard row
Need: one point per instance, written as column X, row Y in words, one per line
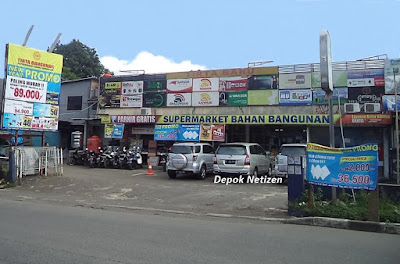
column 354, row 168
column 192, row 132
column 32, row 89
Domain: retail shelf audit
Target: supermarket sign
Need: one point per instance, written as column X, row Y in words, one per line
column 32, row 90
column 354, row 168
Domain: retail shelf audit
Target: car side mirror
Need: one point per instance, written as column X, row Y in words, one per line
column 267, row 153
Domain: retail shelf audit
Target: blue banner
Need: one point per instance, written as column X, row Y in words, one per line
column 166, row 132
column 118, row 131
column 189, row 132
column 355, row 167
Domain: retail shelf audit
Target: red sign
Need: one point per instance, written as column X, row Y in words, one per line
column 367, row 119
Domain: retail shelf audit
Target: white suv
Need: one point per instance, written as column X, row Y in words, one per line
column 190, row 158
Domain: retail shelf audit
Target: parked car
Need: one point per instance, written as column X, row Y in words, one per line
column 190, row 158
column 281, row 163
column 242, row 159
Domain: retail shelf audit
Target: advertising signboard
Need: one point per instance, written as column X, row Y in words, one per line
column 235, row 83
column 365, row 94
column 295, row 97
column 355, row 167
column 294, row 80
column 131, row 100
column 206, row 85
column 237, row 98
column 177, row 132
column 205, row 99
column 392, row 75
column 33, row 77
column 363, row 78
column 154, row 99
column 263, row 97
column 212, row 132
column 339, row 79
column 389, row 103
column 114, row 130
column 338, row 93
column 132, row 88
column 179, row 99
column 263, row 82
column 179, row 86
column 155, row 85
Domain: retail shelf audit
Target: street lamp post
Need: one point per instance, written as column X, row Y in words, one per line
column 396, row 70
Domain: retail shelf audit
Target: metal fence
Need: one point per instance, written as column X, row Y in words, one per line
column 38, row 161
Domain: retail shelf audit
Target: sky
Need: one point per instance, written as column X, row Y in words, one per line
column 160, row 36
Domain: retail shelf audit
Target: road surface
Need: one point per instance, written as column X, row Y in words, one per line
column 44, row 233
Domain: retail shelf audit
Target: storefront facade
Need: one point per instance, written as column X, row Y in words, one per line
column 259, row 105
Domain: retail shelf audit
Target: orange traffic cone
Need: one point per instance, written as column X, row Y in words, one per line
column 150, row 169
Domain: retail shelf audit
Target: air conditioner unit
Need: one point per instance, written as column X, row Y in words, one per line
column 352, row 108
column 372, row 107
column 145, row 111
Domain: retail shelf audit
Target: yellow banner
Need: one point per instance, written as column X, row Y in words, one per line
column 105, row 119
column 282, row 119
column 34, row 59
column 224, row 73
column 112, row 85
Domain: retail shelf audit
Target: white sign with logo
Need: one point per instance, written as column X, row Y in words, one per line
column 132, row 88
column 206, row 85
column 18, row 107
column 131, row 100
column 294, row 80
column 205, row 99
column 179, row 85
column 179, row 99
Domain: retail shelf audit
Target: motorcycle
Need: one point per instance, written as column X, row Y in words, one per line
column 78, row 157
column 136, row 157
column 92, row 159
column 163, row 158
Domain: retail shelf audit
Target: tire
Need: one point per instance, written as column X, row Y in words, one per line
column 71, row 161
column 107, row 163
column 172, row 174
column 130, row 166
column 269, row 172
column 255, row 173
column 203, row 173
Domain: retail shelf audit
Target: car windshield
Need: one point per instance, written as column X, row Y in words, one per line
column 293, row 151
column 179, row 149
column 232, row 150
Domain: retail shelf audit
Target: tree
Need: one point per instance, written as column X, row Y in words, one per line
column 80, row 61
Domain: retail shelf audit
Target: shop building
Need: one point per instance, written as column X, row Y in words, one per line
column 267, row 105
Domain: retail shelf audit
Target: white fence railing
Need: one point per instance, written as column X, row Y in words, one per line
column 38, row 161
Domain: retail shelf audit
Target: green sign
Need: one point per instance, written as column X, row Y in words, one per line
column 263, row 97
column 237, row 98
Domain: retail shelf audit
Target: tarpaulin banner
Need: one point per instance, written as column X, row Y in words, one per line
column 355, row 167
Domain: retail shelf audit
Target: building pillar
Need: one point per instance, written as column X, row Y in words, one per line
column 247, row 134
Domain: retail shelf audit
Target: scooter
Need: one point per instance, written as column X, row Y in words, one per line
column 137, row 157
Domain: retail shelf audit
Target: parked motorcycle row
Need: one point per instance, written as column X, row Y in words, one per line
column 108, row 158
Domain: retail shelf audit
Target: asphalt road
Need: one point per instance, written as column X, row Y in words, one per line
column 43, row 233
column 101, row 187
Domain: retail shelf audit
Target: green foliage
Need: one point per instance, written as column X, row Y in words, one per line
column 80, row 61
column 345, row 207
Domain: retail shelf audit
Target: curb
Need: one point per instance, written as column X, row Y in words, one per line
column 389, row 228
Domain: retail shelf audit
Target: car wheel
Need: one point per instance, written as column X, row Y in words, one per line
column 203, row 173
column 172, row 174
column 269, row 172
column 255, row 173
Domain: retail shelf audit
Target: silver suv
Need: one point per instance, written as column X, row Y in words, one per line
column 242, row 159
column 190, row 158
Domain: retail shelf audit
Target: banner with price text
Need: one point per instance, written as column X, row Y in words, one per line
column 32, row 90
column 354, row 168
